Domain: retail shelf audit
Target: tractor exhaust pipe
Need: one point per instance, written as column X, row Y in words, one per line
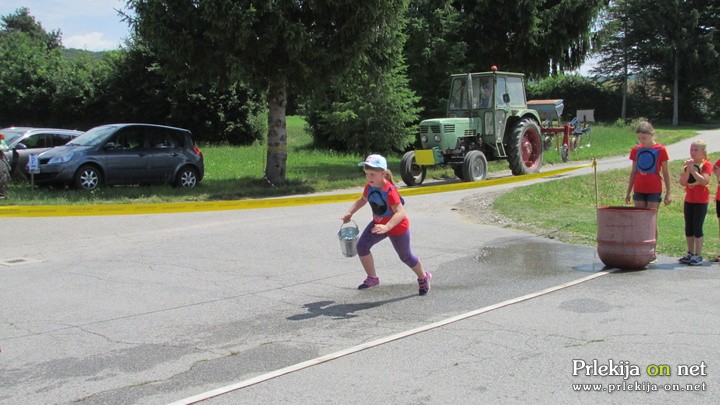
column 469, row 85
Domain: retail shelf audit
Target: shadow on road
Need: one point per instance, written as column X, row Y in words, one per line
column 340, row 311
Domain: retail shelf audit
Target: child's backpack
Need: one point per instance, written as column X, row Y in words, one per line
column 381, row 208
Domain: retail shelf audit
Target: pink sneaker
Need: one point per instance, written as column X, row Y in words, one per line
column 369, row 282
column 424, row 283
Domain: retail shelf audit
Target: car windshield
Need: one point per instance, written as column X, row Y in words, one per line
column 94, row 137
column 481, row 93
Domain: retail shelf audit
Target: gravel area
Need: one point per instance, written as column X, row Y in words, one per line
column 478, row 209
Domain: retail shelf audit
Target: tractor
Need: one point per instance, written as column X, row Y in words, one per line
column 488, row 118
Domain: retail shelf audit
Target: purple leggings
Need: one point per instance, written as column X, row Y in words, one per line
column 401, row 243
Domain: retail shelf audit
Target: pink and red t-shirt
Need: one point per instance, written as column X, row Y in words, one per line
column 648, row 162
column 381, row 202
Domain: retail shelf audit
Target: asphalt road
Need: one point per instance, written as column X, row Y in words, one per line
column 259, row 306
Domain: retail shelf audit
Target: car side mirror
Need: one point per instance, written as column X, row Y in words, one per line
column 20, row 146
column 109, row 145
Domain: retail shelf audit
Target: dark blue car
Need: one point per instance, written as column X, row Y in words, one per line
column 124, row 154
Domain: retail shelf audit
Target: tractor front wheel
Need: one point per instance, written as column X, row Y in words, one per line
column 474, row 166
column 412, row 173
column 525, row 147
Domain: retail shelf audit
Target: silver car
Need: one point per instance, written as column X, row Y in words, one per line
column 25, row 141
column 124, row 154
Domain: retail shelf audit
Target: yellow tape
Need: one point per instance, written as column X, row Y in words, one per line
column 166, row 208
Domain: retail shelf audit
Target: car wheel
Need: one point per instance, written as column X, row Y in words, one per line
column 187, row 177
column 88, row 177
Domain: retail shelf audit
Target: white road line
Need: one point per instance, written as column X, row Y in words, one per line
column 333, row 356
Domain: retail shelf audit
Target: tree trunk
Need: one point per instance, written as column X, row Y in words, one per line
column 277, row 132
column 676, row 83
column 623, row 112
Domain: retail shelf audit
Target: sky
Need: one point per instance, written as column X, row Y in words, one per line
column 93, row 25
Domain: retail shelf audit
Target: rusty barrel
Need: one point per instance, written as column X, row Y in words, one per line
column 626, row 236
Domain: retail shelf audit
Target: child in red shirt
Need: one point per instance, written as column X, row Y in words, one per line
column 716, row 170
column 649, row 159
column 389, row 221
column 695, row 178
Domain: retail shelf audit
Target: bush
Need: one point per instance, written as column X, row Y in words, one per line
column 366, row 115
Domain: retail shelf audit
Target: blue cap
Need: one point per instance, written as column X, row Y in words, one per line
column 375, row 161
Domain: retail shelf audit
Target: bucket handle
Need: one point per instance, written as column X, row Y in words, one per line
column 345, row 223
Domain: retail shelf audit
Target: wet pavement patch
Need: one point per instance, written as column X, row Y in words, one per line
column 586, row 305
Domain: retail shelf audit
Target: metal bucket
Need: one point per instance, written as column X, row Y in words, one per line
column 348, row 239
column 626, row 236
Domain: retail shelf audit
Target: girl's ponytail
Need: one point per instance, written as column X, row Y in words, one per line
column 389, row 177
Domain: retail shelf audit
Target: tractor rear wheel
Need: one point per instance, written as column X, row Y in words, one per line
column 412, row 173
column 525, row 147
